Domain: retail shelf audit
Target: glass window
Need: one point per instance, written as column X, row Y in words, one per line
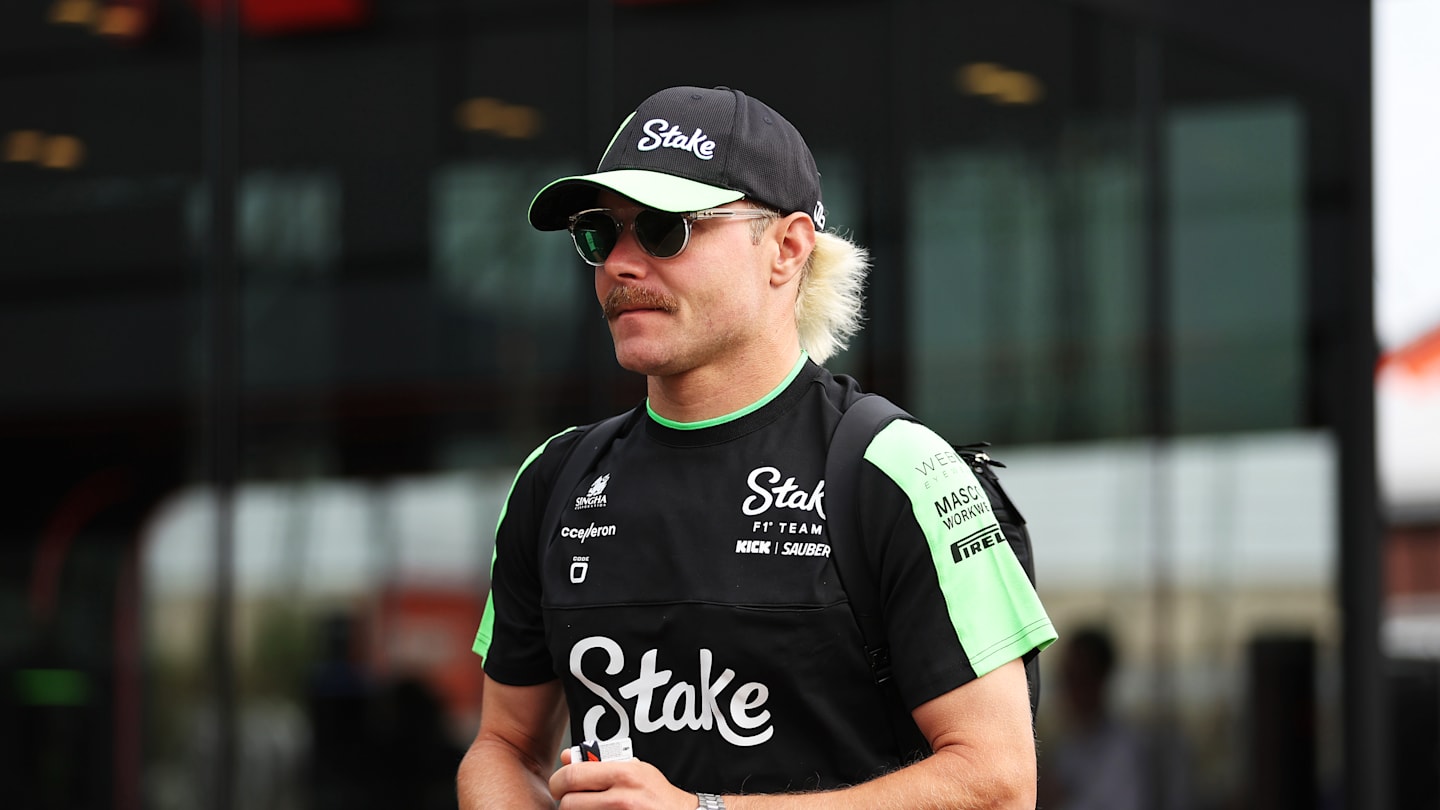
column 1235, row 175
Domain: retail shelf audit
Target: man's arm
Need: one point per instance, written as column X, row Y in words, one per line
column 509, row 762
column 984, row 758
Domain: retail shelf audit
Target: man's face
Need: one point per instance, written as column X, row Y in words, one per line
column 701, row 308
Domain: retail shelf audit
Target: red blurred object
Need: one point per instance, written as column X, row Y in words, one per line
column 270, row 17
column 1418, row 359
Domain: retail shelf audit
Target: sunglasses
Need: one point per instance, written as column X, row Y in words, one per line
column 662, row 234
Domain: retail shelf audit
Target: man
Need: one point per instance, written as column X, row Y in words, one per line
column 687, row 600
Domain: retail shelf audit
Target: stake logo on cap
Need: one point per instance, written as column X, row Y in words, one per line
column 688, row 149
column 661, row 133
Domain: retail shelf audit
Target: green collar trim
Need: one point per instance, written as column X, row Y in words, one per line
column 730, row 417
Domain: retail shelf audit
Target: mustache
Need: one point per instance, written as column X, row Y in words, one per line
column 620, row 299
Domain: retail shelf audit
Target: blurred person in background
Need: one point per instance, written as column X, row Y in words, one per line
column 1097, row 762
column 688, row 599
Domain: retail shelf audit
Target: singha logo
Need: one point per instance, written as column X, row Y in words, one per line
column 595, row 498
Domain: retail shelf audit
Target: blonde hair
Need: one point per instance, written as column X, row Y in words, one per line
column 832, row 286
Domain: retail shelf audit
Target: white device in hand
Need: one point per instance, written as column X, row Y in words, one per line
column 617, row 750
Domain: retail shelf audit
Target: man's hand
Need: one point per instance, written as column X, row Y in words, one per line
column 631, row 785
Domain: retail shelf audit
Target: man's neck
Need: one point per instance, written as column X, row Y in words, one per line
column 712, row 392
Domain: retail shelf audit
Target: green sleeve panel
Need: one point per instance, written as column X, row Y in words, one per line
column 487, row 624
column 486, row 632
column 992, row 606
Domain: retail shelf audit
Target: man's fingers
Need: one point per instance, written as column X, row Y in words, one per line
column 585, row 776
column 627, row 783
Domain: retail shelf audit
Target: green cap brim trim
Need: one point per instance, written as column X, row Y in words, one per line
column 552, row 207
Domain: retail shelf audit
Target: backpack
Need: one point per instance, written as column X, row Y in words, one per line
column 858, row 425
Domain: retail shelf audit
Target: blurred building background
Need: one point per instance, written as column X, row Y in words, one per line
column 274, row 337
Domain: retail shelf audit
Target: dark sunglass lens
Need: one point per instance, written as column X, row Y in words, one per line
column 595, row 234
column 661, row 233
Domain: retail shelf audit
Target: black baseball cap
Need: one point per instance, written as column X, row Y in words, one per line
column 688, row 149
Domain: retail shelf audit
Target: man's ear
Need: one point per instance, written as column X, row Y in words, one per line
column 795, row 237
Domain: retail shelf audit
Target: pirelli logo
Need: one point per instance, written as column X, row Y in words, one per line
column 967, row 547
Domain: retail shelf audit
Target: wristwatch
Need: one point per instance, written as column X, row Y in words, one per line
column 709, row 801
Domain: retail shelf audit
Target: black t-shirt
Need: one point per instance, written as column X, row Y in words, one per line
column 688, row 599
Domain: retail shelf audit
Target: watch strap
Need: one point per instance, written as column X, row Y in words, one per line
column 710, row 801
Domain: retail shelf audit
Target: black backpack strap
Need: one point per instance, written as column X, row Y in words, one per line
column 577, row 463
column 858, row 425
